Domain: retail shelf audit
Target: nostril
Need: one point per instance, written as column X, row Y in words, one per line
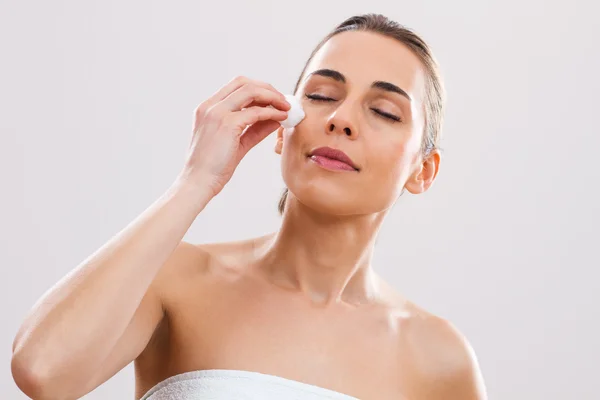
column 347, row 131
column 331, row 128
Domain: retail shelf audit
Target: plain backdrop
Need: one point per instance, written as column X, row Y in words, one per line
column 96, row 107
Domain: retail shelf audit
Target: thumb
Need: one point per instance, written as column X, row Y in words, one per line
column 255, row 134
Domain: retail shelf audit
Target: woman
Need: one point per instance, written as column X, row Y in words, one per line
column 299, row 313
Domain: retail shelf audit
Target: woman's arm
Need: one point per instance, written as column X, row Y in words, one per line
column 66, row 345
column 64, row 342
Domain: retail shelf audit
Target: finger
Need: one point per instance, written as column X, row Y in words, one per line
column 233, row 85
column 252, row 115
column 260, row 103
column 251, row 94
column 255, row 134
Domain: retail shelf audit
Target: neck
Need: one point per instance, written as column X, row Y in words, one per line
column 326, row 257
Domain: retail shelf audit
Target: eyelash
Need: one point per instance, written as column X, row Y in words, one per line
column 390, row 117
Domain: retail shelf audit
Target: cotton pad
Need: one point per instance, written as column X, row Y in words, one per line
column 295, row 114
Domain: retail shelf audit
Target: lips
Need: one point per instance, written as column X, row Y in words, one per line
column 335, row 157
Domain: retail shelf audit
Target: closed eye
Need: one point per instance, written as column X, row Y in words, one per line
column 387, row 115
column 383, row 114
column 318, row 97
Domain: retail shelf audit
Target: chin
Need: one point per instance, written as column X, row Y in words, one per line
column 328, row 207
column 328, row 199
column 327, row 192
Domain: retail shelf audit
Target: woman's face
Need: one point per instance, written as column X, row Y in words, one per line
column 362, row 94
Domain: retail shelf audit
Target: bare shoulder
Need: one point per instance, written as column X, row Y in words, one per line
column 442, row 358
column 438, row 359
column 192, row 264
column 187, row 260
column 184, row 284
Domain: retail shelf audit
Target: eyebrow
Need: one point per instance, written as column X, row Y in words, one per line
column 382, row 85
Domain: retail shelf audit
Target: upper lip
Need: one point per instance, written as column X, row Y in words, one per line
column 334, row 154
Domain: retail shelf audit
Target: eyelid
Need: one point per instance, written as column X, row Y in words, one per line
column 389, row 116
column 395, row 116
column 318, row 97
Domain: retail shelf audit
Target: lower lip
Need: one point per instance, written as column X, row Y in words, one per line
column 331, row 164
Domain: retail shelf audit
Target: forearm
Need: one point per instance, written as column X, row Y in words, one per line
column 81, row 318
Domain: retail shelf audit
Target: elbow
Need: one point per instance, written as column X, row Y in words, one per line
column 31, row 379
column 25, row 378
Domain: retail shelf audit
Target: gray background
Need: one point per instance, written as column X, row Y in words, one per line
column 96, row 103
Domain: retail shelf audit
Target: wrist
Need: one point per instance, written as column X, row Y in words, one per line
column 196, row 195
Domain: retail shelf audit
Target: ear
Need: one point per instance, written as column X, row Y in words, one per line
column 425, row 173
column 279, row 142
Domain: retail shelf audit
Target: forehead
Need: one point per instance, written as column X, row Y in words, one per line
column 365, row 57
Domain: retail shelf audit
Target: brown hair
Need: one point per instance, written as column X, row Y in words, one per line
column 435, row 93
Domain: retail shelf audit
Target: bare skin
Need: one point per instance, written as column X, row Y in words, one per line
column 303, row 303
column 226, row 308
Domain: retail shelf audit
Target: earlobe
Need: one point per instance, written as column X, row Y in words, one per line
column 425, row 174
column 279, row 141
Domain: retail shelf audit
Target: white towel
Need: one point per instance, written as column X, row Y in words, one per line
column 217, row 384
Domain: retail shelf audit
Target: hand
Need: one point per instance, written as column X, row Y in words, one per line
column 226, row 126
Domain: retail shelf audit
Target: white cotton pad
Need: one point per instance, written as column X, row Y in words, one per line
column 295, row 114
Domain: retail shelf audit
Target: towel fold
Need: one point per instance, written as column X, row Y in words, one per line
column 237, row 385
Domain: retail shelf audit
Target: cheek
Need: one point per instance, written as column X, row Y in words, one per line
column 393, row 159
column 296, row 139
column 292, row 150
column 291, row 141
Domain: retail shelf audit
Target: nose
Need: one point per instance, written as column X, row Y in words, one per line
column 341, row 123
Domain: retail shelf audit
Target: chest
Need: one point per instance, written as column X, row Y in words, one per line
column 350, row 351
